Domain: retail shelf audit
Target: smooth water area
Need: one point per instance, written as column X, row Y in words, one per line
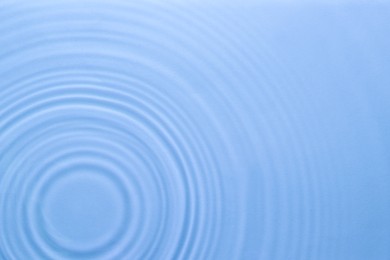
column 194, row 130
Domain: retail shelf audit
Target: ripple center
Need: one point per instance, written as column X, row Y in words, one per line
column 82, row 210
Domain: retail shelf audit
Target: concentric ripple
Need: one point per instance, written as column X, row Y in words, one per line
column 88, row 131
column 190, row 130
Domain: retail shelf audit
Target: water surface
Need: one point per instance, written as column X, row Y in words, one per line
column 194, row 130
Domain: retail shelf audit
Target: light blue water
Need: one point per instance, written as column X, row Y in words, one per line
column 194, row 130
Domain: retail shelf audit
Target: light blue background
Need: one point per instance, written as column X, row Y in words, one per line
column 195, row 130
